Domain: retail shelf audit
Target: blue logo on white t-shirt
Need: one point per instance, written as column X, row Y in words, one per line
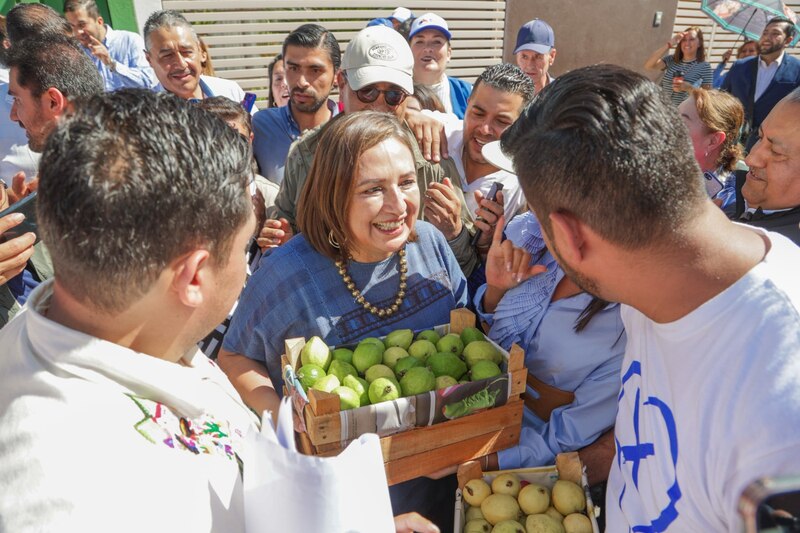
column 641, row 460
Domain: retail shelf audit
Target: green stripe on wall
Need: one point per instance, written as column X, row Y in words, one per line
column 119, row 14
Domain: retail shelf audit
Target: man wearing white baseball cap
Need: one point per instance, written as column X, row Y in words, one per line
column 430, row 43
column 535, row 51
column 376, row 74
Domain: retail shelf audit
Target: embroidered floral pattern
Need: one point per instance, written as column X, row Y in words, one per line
column 200, row 436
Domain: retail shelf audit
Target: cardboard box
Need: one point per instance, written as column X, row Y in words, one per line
column 568, row 466
column 426, row 441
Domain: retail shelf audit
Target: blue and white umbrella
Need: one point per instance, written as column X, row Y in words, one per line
column 748, row 18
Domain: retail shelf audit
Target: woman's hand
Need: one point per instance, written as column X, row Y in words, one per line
column 677, row 38
column 681, row 86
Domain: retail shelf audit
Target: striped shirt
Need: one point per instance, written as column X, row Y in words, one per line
column 695, row 72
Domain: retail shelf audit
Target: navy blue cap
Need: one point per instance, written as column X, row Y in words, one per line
column 536, row 35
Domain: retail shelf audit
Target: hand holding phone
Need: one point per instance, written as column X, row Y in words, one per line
column 26, row 207
column 496, row 187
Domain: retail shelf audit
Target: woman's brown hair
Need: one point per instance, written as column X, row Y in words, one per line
column 326, row 196
column 721, row 111
column 701, row 48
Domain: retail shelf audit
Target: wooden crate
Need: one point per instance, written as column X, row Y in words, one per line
column 422, row 450
column 568, row 467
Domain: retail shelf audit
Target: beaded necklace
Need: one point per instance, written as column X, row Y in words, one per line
column 379, row 312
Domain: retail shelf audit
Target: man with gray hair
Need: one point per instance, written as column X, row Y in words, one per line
column 117, row 54
column 173, row 50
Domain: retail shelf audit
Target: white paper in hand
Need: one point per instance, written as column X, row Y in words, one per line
column 285, row 490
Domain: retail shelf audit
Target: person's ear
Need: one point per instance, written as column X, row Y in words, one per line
column 100, row 21
column 715, row 140
column 552, row 55
column 6, row 44
column 568, row 236
column 190, row 277
column 149, row 59
column 55, row 103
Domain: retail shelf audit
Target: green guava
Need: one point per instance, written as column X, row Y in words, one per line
column 422, row 349
column 450, row 343
column 392, row 355
column 383, row 390
column 343, row 354
column 428, row 335
column 401, row 338
column 404, row 364
column 417, row 380
column 366, row 355
column 481, row 351
column 309, row 374
column 378, row 371
column 340, row 369
column 483, row 370
column 348, row 398
column 447, row 364
column 327, row 384
column 472, row 334
column 360, row 386
column 316, row 352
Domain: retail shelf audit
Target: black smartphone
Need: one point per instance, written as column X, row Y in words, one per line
column 496, row 187
column 26, row 206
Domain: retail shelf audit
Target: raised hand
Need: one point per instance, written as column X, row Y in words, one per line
column 443, row 208
column 99, row 50
column 429, row 133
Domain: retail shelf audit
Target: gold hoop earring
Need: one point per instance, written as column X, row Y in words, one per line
column 332, row 240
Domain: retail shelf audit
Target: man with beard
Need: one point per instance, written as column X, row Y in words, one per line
column 117, row 54
column 311, row 57
column 711, row 309
column 173, row 50
column 49, row 72
column 761, row 82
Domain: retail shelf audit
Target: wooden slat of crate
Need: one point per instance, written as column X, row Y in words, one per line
column 424, row 463
column 416, row 441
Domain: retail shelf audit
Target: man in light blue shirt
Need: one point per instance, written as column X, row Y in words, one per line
column 312, row 57
column 117, row 54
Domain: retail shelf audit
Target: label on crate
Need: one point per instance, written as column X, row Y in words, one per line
column 422, row 410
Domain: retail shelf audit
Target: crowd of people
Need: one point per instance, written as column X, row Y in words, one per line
column 643, row 251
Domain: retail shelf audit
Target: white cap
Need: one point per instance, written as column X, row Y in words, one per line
column 401, row 14
column 429, row 21
column 379, row 54
column 495, row 155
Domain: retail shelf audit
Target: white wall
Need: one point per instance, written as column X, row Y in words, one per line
column 143, row 9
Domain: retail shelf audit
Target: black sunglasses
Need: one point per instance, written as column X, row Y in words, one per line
column 392, row 97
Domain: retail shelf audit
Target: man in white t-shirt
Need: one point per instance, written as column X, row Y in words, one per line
column 711, row 375
column 498, row 97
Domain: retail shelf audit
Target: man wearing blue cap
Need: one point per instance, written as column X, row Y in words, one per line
column 535, row 51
